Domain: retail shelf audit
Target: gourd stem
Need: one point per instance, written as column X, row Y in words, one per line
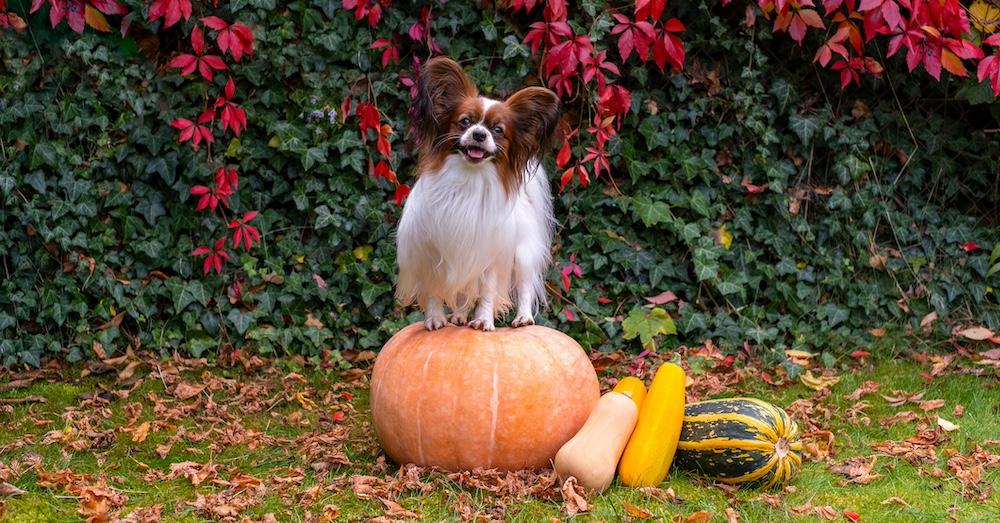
column 781, row 448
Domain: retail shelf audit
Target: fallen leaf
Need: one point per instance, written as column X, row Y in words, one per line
column 930, row 405
column 771, row 500
column 927, row 322
column 574, row 501
column 701, row 516
column 895, row 500
column 946, row 425
column 858, row 470
column 827, row 512
column 185, row 391
column 877, row 332
column 905, row 416
column 958, row 411
column 976, row 333
column 128, row 371
column 635, row 511
column 902, row 397
column 311, row 321
column 662, row 298
column 8, row 491
column 853, row 516
column 868, row 387
column 818, row 382
column 732, row 516
column 140, row 433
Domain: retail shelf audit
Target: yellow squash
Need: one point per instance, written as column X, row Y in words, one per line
column 634, row 388
column 651, row 448
column 592, row 454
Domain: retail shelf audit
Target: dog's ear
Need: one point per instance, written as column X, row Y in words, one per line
column 442, row 86
column 536, row 120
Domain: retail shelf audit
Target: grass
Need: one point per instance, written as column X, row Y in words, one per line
column 124, row 463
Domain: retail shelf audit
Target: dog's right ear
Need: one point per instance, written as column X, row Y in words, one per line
column 442, row 86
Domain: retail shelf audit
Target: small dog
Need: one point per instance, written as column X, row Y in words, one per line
column 477, row 226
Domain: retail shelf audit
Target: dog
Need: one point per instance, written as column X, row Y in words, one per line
column 476, row 229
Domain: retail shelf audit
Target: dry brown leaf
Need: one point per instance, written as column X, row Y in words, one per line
column 574, row 501
column 197, row 473
column 927, row 322
column 128, row 371
column 930, row 405
column 140, row 433
column 635, row 511
column 877, row 332
column 701, row 516
column 975, row 333
column 801, row 510
column 311, row 321
column 818, row 382
column 185, row 390
column 827, row 512
column 857, row 469
column 771, row 500
column 905, row 416
column 895, row 500
column 868, row 387
column 958, row 411
column 8, row 491
column 902, row 397
column 659, row 493
column 151, row 514
column 732, row 516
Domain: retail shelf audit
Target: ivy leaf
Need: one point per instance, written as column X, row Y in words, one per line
column 649, row 211
column 240, row 319
column 804, row 127
column 646, row 324
column 186, row 292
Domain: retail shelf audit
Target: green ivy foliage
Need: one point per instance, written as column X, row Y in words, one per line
column 847, row 211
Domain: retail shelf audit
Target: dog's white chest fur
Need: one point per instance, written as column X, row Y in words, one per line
column 459, row 226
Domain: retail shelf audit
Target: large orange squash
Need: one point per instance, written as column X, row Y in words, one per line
column 459, row 398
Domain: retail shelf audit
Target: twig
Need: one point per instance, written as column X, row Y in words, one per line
column 16, row 384
column 20, row 401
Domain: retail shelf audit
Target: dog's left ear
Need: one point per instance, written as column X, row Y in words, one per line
column 536, row 113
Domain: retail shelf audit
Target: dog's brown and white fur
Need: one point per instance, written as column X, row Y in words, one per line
column 476, row 229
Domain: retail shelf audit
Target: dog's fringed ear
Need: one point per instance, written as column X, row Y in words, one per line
column 441, row 87
column 536, row 113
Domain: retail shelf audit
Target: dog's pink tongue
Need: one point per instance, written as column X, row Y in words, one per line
column 476, row 153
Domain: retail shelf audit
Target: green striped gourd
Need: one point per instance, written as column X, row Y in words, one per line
column 739, row 440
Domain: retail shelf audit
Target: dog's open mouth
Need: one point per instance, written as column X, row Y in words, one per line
column 474, row 153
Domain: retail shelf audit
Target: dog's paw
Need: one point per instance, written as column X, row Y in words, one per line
column 458, row 319
column 433, row 323
column 483, row 325
column 521, row 321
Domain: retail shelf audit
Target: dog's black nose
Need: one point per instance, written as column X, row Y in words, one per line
column 478, row 135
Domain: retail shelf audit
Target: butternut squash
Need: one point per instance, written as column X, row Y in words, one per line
column 651, row 448
column 634, row 388
column 591, row 456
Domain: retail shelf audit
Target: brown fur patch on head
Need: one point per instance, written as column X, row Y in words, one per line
column 443, row 86
column 533, row 113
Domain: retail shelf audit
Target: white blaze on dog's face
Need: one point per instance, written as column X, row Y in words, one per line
column 480, row 125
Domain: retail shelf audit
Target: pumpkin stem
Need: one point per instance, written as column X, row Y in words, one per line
column 781, row 448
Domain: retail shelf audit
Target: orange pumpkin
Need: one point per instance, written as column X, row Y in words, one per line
column 459, row 398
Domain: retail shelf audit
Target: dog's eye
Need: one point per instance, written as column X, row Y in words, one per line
column 464, row 122
column 497, row 129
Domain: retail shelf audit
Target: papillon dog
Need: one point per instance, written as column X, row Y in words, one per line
column 476, row 229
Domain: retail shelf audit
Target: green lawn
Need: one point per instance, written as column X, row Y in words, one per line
column 274, row 446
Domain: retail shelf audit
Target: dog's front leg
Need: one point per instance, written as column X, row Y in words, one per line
column 434, row 317
column 484, row 311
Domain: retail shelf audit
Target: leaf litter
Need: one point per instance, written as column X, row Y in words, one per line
column 203, row 413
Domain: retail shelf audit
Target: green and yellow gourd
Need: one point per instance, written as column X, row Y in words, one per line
column 739, row 440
